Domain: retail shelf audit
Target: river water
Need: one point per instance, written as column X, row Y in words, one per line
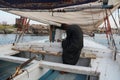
column 10, row 38
column 100, row 38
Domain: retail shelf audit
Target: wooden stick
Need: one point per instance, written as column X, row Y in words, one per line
column 38, row 51
column 83, row 55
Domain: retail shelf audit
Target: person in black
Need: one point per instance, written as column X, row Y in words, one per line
column 72, row 44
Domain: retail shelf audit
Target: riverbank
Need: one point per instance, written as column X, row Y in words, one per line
column 7, row 29
column 33, row 29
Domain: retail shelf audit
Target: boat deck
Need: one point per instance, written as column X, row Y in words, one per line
column 104, row 63
column 6, row 50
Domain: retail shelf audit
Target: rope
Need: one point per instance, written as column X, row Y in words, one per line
column 114, row 21
column 119, row 17
column 110, row 35
column 106, row 30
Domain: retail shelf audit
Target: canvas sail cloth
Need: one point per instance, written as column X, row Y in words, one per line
column 88, row 16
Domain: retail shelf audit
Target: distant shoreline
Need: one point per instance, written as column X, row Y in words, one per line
column 11, row 29
column 15, row 32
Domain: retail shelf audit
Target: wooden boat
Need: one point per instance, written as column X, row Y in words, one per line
column 96, row 61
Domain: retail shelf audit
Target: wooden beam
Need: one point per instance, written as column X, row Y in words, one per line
column 14, row 59
column 88, row 55
column 69, row 68
column 83, row 55
column 38, row 51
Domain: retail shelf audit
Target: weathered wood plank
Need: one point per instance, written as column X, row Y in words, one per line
column 69, row 68
column 83, row 55
column 39, row 51
column 14, row 59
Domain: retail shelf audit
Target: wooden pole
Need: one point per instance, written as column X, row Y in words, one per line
column 38, row 51
column 69, row 68
column 83, row 55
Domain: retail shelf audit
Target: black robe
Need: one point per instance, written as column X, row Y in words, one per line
column 72, row 45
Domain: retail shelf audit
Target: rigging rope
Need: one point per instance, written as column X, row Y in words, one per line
column 109, row 35
column 114, row 21
column 119, row 17
column 106, row 30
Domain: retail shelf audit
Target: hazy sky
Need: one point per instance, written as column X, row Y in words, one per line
column 10, row 18
column 115, row 15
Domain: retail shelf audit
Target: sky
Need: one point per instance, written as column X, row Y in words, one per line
column 115, row 15
column 10, row 18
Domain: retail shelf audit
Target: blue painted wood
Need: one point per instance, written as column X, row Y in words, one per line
column 54, row 75
column 45, row 76
column 107, row 6
column 80, row 77
column 50, row 75
column 7, row 69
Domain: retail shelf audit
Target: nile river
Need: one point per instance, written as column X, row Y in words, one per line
column 10, row 38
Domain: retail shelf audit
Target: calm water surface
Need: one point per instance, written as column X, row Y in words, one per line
column 10, row 38
column 100, row 38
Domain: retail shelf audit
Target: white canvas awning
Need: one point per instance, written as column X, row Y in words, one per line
column 88, row 19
